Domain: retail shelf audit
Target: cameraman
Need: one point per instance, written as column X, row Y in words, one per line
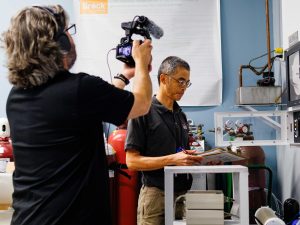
column 61, row 174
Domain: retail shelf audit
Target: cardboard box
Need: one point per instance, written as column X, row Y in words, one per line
column 204, row 217
column 6, row 190
column 199, row 199
column 205, row 207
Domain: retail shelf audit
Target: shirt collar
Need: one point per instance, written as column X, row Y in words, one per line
column 162, row 108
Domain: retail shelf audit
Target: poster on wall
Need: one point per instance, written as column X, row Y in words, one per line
column 290, row 22
column 191, row 31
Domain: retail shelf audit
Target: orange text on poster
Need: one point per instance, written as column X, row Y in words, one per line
column 93, row 6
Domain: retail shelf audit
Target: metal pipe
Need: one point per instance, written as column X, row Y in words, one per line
column 268, row 35
column 241, row 76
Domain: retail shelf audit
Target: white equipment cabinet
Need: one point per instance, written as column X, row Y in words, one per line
column 266, row 128
column 240, row 190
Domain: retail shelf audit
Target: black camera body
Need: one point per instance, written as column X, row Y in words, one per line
column 139, row 26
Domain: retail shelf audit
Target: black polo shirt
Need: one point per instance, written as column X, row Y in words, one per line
column 160, row 133
column 61, row 175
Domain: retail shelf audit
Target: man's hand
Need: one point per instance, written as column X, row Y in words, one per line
column 186, row 158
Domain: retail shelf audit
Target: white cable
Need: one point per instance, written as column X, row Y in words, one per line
column 277, row 202
column 108, row 64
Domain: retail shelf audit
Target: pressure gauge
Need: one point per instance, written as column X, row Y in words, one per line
column 239, row 124
column 245, row 129
column 229, row 124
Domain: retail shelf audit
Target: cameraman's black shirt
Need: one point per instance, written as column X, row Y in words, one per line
column 61, row 175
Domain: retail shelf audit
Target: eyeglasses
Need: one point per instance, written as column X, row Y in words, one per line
column 71, row 29
column 181, row 82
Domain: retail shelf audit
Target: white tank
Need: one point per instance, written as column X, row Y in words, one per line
column 4, row 128
column 266, row 216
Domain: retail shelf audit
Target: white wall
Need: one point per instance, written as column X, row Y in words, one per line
column 288, row 157
column 7, row 10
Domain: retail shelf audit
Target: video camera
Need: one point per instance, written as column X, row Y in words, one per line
column 140, row 25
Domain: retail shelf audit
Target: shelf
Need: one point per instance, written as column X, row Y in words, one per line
column 226, row 222
column 261, row 105
column 276, row 123
column 240, row 190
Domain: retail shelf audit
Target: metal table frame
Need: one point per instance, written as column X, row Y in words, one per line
column 240, row 189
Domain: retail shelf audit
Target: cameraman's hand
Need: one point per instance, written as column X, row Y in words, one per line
column 142, row 86
column 141, row 53
column 128, row 71
column 150, row 65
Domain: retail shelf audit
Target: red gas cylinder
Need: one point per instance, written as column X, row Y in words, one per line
column 6, row 150
column 126, row 189
column 257, row 181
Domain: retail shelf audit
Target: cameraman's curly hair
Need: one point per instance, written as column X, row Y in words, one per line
column 33, row 55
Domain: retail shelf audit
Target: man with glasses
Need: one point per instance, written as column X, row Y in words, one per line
column 55, row 116
column 160, row 139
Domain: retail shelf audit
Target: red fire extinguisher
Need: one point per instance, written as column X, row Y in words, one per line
column 126, row 182
column 6, row 150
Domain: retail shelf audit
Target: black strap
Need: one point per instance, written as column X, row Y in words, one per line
column 122, row 78
column 117, row 167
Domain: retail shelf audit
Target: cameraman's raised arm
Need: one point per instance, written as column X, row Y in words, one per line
column 142, row 86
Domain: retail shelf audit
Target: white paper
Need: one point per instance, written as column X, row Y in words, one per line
column 191, row 32
column 219, row 155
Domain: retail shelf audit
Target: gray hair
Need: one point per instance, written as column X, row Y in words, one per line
column 33, row 55
column 170, row 64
